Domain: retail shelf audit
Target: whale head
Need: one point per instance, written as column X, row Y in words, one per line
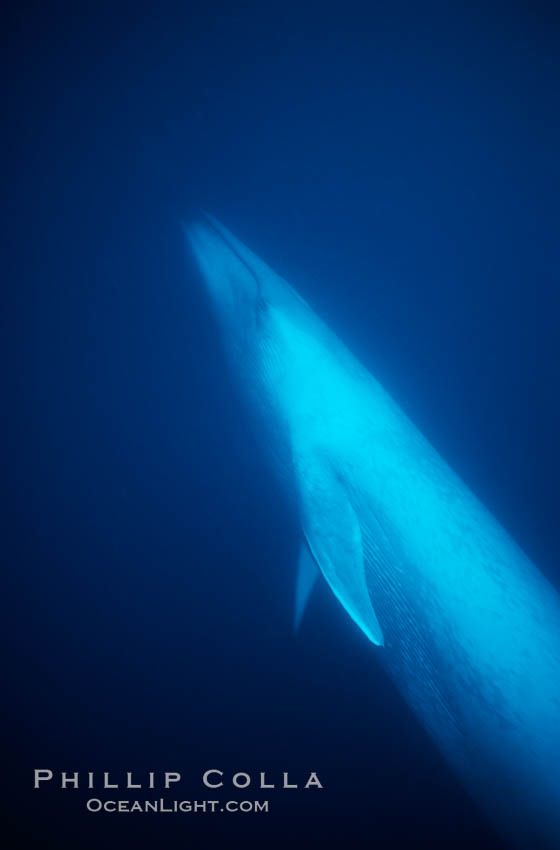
column 246, row 295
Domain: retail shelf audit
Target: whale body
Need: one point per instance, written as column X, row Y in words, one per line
column 461, row 619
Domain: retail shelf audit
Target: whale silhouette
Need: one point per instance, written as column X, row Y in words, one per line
column 462, row 621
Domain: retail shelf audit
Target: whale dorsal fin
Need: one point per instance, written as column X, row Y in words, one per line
column 334, row 537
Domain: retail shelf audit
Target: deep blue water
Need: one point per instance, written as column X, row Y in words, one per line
column 398, row 164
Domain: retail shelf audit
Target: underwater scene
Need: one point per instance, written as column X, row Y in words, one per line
column 282, row 425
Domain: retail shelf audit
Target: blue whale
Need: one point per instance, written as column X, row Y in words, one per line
column 463, row 622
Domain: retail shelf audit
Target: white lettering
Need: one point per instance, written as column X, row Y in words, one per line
column 286, row 783
column 263, row 782
column 172, row 777
column 206, row 779
column 313, row 781
column 69, row 780
column 42, row 776
column 106, row 783
column 237, row 780
column 129, row 781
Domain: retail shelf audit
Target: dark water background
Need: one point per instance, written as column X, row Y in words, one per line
column 398, row 164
